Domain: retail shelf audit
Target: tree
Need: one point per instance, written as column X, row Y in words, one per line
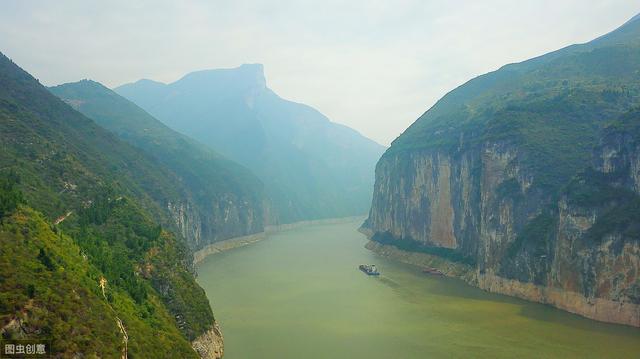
column 10, row 195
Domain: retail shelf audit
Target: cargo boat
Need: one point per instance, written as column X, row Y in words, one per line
column 369, row 269
column 433, row 271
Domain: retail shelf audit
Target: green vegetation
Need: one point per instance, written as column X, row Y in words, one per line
column 535, row 236
column 594, row 189
column 182, row 296
column 61, row 156
column 550, row 109
column 550, row 113
column 411, row 245
column 109, row 199
column 628, row 123
column 618, row 206
column 509, row 189
column 610, row 194
column 135, row 254
column 621, row 219
column 49, row 290
column 207, row 176
column 10, row 196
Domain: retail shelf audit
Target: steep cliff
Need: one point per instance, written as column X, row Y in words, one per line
column 220, row 200
column 501, row 175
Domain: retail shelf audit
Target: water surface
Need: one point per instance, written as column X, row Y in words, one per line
column 298, row 294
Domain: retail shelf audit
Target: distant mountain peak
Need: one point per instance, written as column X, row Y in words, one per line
column 251, row 75
column 257, row 68
column 311, row 167
column 256, row 72
column 91, row 83
column 148, row 83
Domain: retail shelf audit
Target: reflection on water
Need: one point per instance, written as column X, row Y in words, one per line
column 299, row 294
column 388, row 281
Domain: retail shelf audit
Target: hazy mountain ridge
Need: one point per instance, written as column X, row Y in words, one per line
column 488, row 174
column 227, row 200
column 312, row 168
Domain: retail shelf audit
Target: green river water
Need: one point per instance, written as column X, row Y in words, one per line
column 299, row 294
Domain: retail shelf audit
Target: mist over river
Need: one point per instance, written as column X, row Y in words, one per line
column 299, row 294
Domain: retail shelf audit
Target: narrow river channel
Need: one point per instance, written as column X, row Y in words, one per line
column 299, row 294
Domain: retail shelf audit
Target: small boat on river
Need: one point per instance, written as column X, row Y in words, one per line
column 369, row 269
column 433, row 271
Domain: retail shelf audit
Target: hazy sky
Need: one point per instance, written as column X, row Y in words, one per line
column 372, row 65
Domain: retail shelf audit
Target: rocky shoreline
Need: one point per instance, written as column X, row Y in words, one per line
column 226, row 245
column 210, row 345
column 448, row 268
column 598, row 308
column 236, row 242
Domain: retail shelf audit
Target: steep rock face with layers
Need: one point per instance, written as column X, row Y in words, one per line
column 529, row 175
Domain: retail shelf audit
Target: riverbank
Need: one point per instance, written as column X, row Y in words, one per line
column 210, row 345
column 423, row 260
column 300, row 294
column 226, row 245
column 236, row 242
column 596, row 308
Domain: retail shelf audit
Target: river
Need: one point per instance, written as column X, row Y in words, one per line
column 298, row 294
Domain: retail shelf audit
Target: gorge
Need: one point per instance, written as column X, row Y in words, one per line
column 110, row 204
column 207, row 216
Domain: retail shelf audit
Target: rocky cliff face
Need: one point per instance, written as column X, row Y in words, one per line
column 226, row 218
column 210, row 344
column 479, row 203
column 449, row 200
column 529, row 176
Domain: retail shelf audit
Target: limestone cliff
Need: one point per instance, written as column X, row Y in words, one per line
column 210, row 344
column 529, row 177
column 580, row 253
column 228, row 217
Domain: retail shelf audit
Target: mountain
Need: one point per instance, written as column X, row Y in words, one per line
column 226, row 200
column 312, row 168
column 91, row 255
column 510, row 177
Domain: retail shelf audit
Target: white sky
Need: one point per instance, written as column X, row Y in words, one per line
column 370, row 64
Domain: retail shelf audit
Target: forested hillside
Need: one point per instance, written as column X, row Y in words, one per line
column 79, row 205
column 225, row 199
